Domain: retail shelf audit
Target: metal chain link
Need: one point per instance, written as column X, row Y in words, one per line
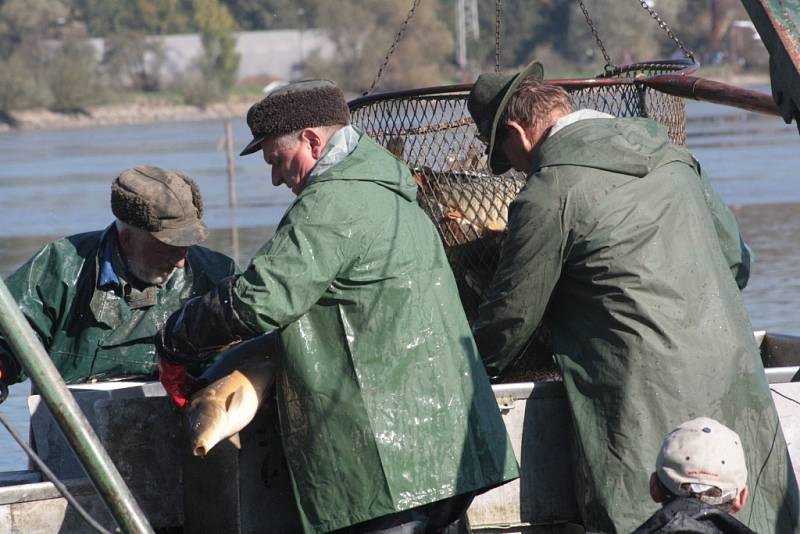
column 667, row 29
column 498, row 14
column 609, row 66
column 397, row 40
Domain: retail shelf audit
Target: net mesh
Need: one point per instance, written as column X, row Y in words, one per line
column 432, row 131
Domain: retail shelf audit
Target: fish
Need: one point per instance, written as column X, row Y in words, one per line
column 470, row 210
column 475, row 201
column 228, row 403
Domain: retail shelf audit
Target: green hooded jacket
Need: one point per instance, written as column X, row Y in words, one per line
column 384, row 404
column 91, row 333
column 620, row 243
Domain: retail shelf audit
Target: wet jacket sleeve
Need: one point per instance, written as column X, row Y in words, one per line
column 529, row 268
column 202, row 326
column 286, row 277
column 314, row 242
column 42, row 298
column 735, row 250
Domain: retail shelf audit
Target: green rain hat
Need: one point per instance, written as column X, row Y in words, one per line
column 167, row 204
column 487, row 102
column 295, row 106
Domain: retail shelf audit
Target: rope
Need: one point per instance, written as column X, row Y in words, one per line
column 52, row 477
column 397, row 40
column 784, row 396
column 498, row 15
column 609, row 66
column 663, row 25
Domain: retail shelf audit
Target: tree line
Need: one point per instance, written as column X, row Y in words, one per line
column 47, row 61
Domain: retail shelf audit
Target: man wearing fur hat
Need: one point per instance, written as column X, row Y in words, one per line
column 96, row 299
column 387, row 417
column 620, row 243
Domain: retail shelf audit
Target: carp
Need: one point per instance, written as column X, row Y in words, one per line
column 477, row 202
column 228, row 404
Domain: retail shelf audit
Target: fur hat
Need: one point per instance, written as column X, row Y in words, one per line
column 293, row 107
column 165, row 203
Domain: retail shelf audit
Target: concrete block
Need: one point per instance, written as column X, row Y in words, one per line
column 537, row 419
column 46, row 435
column 787, row 402
column 142, row 433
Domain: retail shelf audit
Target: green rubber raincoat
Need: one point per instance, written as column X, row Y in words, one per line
column 91, row 333
column 620, row 243
column 383, row 401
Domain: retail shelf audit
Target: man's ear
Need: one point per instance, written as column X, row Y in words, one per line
column 655, row 489
column 527, row 137
column 740, row 500
column 314, row 140
column 521, row 133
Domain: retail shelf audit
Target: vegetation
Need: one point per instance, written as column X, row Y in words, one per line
column 47, row 61
column 219, row 63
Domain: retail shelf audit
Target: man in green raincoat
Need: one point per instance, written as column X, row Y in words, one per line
column 620, row 243
column 387, row 417
column 96, row 299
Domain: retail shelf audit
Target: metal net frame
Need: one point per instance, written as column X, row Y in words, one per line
column 432, row 131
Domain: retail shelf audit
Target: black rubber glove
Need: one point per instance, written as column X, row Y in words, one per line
column 203, row 326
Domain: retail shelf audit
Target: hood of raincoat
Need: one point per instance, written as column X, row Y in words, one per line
column 635, row 147
column 684, row 515
column 391, row 173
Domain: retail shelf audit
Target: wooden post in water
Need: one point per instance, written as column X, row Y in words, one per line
column 231, row 166
column 232, row 189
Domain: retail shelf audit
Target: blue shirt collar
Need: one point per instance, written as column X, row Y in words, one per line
column 108, row 276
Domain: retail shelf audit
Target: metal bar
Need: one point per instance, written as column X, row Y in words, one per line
column 782, row 375
column 466, row 87
column 711, row 91
column 778, row 24
column 530, row 390
column 70, row 418
column 39, row 491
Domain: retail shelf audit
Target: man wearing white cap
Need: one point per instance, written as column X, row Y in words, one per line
column 701, row 478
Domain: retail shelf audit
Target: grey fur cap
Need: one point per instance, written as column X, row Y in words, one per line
column 293, row 107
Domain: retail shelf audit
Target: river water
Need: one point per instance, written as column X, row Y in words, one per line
column 55, row 183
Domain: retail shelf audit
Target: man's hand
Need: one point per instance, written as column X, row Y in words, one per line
column 177, row 381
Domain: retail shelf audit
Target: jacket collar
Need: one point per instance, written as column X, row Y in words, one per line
column 339, row 146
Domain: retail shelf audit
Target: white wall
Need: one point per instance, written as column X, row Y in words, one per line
column 277, row 53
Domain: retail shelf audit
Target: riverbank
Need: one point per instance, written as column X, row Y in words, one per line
column 149, row 110
column 136, row 112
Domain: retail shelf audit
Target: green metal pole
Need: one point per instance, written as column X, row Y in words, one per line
column 70, row 418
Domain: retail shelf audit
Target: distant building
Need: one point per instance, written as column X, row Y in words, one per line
column 278, row 54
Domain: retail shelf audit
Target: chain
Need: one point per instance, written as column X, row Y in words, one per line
column 498, row 14
column 397, row 39
column 609, row 65
column 667, row 29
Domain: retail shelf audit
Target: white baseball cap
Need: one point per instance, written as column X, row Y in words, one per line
column 701, row 454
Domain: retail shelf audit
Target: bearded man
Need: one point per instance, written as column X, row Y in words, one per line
column 96, row 299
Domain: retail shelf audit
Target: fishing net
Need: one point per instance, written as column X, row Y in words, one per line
column 432, row 131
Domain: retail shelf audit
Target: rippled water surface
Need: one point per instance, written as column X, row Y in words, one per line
column 54, row 183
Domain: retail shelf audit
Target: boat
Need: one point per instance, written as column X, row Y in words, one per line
column 248, row 491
